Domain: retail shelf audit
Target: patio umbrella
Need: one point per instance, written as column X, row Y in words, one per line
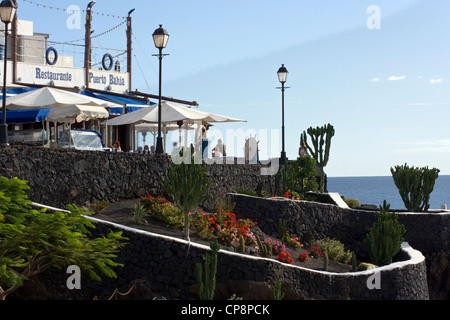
column 153, row 129
column 77, row 113
column 48, row 97
column 170, row 113
column 12, row 85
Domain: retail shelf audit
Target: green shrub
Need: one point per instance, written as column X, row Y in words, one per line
column 246, row 192
column 365, row 266
column 160, row 209
column 98, row 206
column 297, row 176
column 335, row 250
column 139, row 212
column 385, row 237
column 32, row 241
column 352, row 203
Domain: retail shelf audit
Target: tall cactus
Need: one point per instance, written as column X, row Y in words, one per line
column 415, row 185
column 385, row 237
column 241, row 244
column 354, row 266
column 188, row 184
column 206, row 274
column 320, row 149
column 264, row 248
column 325, row 261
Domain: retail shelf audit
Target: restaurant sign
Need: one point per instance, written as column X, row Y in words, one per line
column 72, row 77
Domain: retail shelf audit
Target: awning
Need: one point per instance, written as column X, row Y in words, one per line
column 130, row 103
column 25, row 116
column 122, row 100
column 38, row 115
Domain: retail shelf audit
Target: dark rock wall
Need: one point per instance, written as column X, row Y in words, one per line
column 169, row 266
column 58, row 177
column 425, row 232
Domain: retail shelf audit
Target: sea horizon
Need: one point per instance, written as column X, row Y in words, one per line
column 373, row 190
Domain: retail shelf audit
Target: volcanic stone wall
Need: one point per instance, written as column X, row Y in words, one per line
column 426, row 232
column 58, row 177
column 168, row 264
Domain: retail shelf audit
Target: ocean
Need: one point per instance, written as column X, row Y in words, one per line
column 373, row 190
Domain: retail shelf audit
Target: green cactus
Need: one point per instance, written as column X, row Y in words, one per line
column 354, row 266
column 325, row 261
column 320, row 150
column 365, row 266
column 188, row 184
column 385, row 237
column 241, row 244
column 277, row 293
column 207, row 282
column 282, row 228
column 415, row 186
column 265, row 249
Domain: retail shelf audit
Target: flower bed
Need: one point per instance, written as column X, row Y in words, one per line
column 404, row 279
column 241, row 235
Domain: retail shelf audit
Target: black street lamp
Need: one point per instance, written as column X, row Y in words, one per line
column 7, row 12
column 282, row 77
column 160, row 38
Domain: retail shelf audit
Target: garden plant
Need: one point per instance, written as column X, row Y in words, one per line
column 385, row 237
column 32, row 241
column 206, row 273
column 320, row 149
column 188, row 184
column 298, row 176
column 415, row 185
column 223, row 226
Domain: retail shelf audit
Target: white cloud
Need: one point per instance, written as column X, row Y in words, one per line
column 375, row 80
column 423, row 146
column 396, row 78
column 418, row 104
column 436, row 80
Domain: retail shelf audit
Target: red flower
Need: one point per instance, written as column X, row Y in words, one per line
column 285, row 257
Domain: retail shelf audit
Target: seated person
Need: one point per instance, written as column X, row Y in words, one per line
column 116, row 146
column 216, row 153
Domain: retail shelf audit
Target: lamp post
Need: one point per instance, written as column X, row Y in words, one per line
column 160, row 38
column 7, row 12
column 282, row 77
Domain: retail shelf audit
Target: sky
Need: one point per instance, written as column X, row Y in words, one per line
column 378, row 71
